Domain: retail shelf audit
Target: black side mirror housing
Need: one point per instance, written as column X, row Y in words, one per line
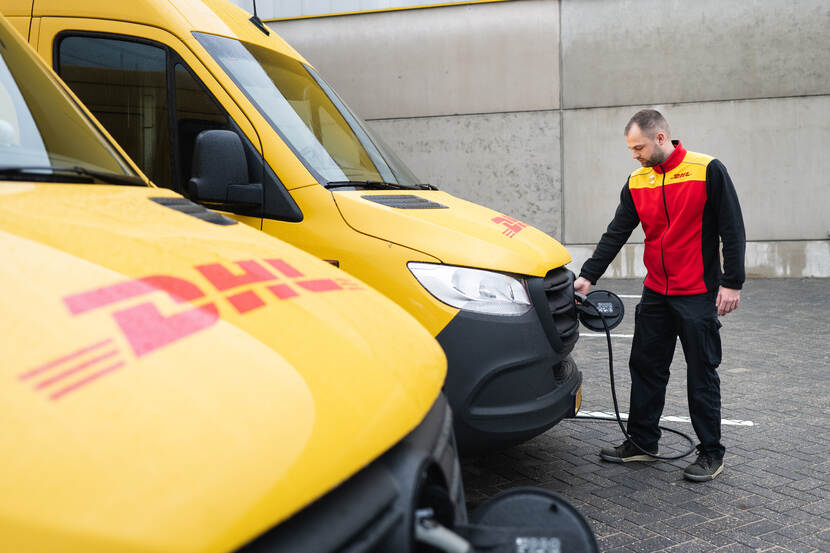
column 220, row 171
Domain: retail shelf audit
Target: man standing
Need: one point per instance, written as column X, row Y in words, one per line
column 685, row 202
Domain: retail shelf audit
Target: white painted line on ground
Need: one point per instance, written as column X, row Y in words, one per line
column 634, row 296
column 597, row 335
column 624, row 416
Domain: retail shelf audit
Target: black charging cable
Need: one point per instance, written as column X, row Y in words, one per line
column 585, row 301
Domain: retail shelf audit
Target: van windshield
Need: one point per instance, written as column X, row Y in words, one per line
column 44, row 136
column 332, row 142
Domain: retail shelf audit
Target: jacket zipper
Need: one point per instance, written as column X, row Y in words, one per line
column 668, row 222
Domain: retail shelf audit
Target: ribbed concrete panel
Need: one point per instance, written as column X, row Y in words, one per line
column 480, row 58
column 627, row 264
column 508, row 162
column 627, row 53
column 596, row 165
column 796, row 259
column 768, row 147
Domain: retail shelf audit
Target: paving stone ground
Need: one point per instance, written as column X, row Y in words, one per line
column 774, row 493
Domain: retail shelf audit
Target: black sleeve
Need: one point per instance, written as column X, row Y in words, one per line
column 624, row 222
column 720, row 189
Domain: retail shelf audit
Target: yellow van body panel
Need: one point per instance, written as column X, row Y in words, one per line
column 21, row 24
column 138, row 12
column 16, row 8
column 209, row 439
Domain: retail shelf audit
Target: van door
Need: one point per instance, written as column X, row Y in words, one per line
column 152, row 95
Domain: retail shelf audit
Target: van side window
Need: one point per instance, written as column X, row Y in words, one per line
column 124, row 84
column 154, row 106
column 196, row 111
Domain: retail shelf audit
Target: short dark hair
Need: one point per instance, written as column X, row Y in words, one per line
column 650, row 122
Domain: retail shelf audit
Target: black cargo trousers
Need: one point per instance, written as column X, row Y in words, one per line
column 659, row 321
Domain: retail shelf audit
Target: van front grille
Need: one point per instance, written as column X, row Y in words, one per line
column 559, row 291
column 353, row 518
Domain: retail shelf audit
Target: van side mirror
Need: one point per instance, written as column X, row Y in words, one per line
column 220, row 171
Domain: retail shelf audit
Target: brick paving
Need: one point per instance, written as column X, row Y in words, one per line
column 774, row 493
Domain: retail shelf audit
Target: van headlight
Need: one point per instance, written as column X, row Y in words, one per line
column 473, row 289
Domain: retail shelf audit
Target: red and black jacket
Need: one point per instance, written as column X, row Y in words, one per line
column 685, row 205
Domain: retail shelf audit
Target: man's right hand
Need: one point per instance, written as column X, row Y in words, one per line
column 582, row 285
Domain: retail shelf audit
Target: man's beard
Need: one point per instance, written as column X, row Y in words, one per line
column 655, row 159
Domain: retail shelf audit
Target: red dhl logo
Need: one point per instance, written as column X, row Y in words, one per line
column 146, row 329
column 681, row 175
column 511, row 226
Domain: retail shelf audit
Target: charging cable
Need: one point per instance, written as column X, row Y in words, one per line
column 430, row 532
column 583, row 299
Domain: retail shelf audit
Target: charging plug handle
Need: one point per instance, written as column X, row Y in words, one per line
column 599, row 305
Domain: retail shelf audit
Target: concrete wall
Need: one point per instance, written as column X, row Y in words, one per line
column 440, row 61
column 506, row 161
column 520, row 105
column 771, row 148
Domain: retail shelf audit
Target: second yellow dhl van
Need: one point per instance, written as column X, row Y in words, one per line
column 212, row 104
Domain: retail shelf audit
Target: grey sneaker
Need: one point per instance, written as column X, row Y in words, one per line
column 704, row 469
column 624, row 453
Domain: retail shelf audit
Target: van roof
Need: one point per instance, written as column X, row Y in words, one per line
column 179, row 17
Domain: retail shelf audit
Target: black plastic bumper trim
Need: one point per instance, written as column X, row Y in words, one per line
column 536, row 290
column 505, row 382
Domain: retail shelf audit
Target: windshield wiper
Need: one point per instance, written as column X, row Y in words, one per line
column 372, row 184
column 60, row 174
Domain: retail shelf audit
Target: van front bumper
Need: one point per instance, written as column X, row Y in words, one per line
column 511, row 378
column 374, row 511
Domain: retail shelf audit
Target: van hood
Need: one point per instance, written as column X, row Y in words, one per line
column 175, row 384
column 455, row 231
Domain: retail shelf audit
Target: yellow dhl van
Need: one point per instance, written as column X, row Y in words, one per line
column 175, row 381
column 213, row 105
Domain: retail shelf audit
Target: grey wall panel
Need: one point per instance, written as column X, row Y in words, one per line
column 788, row 259
column 769, row 148
column 649, row 51
column 481, row 58
column 791, row 259
column 508, row 162
column 627, row 264
column 596, row 165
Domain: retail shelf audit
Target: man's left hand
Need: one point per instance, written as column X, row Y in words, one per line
column 728, row 300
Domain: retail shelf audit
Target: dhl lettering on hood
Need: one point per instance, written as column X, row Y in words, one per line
column 147, row 329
